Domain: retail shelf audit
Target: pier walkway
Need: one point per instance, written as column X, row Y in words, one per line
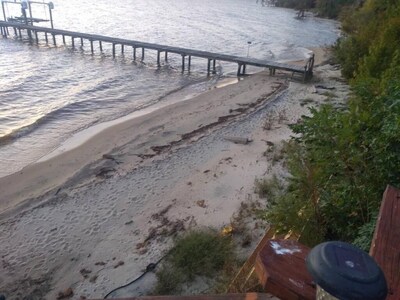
column 33, row 31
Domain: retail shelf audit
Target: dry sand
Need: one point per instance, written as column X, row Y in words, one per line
column 92, row 218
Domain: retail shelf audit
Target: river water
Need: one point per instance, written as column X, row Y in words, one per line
column 48, row 93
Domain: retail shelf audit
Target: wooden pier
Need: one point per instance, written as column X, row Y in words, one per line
column 305, row 71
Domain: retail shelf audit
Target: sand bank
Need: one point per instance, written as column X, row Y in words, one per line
column 163, row 173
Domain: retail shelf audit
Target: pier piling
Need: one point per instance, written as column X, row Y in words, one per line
column 242, row 62
column 158, row 57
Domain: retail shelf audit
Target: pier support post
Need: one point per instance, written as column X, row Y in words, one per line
column 91, row 46
column 142, row 53
column 183, row 63
column 208, row 66
column 45, row 36
column 82, row 42
column 19, row 32
column 36, row 38
column 63, row 39
column 166, row 55
column 158, row 57
column 244, row 69
column 15, row 31
column 101, row 46
column 239, row 70
column 122, row 48
column 189, row 62
column 134, row 53
column 113, row 50
column 73, row 42
column 214, row 70
column 54, row 40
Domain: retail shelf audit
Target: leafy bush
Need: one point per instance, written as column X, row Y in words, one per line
column 345, row 158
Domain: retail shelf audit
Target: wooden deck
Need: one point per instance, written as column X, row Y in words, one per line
column 385, row 246
column 32, row 32
column 282, row 271
column 247, row 296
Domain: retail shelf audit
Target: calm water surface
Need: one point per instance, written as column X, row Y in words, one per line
column 48, row 93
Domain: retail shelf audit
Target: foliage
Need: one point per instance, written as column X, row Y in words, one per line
column 345, row 158
column 198, row 253
column 365, row 234
column 201, row 253
column 325, row 8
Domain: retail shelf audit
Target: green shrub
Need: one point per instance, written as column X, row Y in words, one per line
column 169, row 280
column 198, row 253
column 201, row 253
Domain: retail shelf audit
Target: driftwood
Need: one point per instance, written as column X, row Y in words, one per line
column 238, row 140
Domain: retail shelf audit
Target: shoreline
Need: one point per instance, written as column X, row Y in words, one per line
column 77, row 152
column 161, row 176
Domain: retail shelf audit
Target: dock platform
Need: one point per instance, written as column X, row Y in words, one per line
column 305, row 71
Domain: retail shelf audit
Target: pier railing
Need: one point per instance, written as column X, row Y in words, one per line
column 33, row 31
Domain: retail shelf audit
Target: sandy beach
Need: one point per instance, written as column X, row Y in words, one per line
column 111, row 205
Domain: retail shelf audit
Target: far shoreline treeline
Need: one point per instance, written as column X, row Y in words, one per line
column 324, row 8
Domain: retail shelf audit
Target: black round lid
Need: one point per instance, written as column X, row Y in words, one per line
column 346, row 272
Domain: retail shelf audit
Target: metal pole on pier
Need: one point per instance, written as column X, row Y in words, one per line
column 248, row 48
column 30, row 12
column 51, row 6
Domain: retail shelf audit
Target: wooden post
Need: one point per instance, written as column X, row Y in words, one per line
column 166, row 55
column 45, row 36
column 101, row 46
column 63, row 39
column 122, row 48
column 208, row 66
column 113, row 49
column 91, row 46
column 81, row 42
column 36, row 37
column 158, row 57
column 214, row 71
column 19, row 32
column 189, row 62
column 244, row 69
column 73, row 42
column 54, row 40
column 183, row 63
column 142, row 53
column 15, row 31
column 239, row 69
column 134, row 53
